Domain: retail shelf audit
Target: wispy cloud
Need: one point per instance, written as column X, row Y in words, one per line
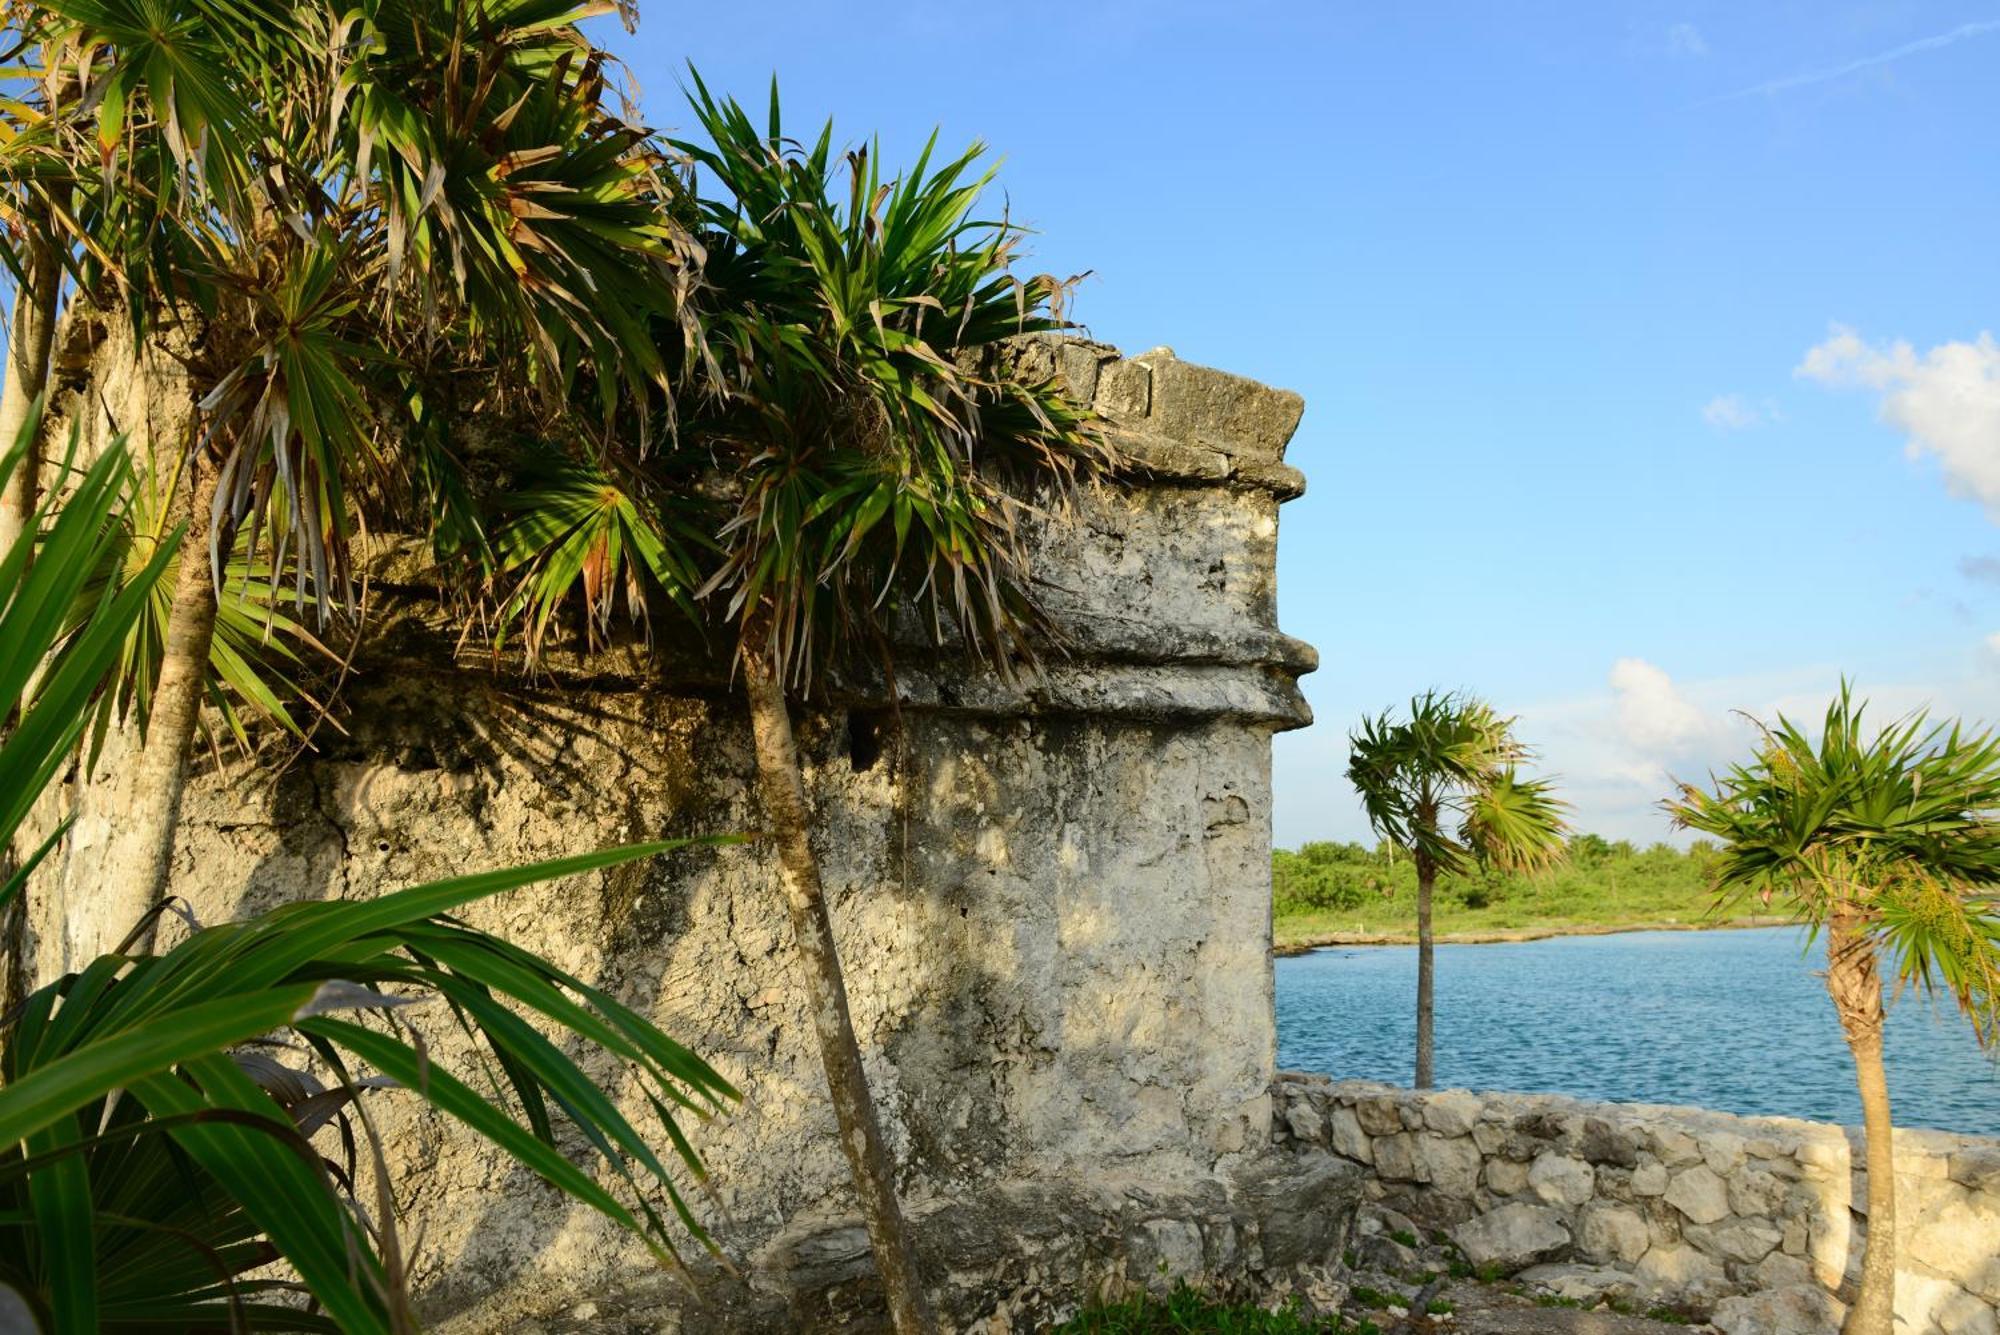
column 1771, row 87
column 1684, row 39
column 1735, row 412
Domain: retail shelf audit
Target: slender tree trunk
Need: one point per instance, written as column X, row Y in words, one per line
column 139, row 859
column 1426, row 973
column 783, row 786
column 30, row 336
column 1856, row 987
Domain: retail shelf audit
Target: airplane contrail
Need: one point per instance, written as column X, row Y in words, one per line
column 1918, row 47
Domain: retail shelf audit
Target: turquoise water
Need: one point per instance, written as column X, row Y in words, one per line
column 1737, row 1020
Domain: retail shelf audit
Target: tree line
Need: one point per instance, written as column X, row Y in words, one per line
column 1594, row 873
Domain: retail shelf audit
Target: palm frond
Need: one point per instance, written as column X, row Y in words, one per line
column 879, row 432
column 1889, row 829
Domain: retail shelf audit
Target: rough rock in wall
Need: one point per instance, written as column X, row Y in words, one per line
column 1052, row 899
column 1738, row 1216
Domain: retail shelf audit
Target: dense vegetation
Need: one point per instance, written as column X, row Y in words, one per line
column 1328, row 889
column 1188, row 1311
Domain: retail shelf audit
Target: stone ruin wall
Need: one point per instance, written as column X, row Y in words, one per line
column 1052, row 901
column 1759, row 1220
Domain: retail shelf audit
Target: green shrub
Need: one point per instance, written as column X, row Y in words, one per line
column 1188, row 1311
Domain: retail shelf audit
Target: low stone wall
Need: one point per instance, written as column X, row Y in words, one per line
column 1757, row 1220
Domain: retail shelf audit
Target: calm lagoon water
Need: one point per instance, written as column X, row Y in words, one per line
column 1737, row 1020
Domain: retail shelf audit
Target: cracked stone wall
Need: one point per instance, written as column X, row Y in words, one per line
column 1052, row 900
column 1748, row 1217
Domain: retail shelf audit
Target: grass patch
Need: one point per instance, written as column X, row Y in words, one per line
column 1325, row 890
column 1404, row 1236
column 1188, row 1311
column 1374, row 1298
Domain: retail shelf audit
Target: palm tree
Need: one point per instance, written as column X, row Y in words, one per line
column 1885, row 841
column 878, row 441
column 1444, row 786
column 158, row 1152
column 432, row 190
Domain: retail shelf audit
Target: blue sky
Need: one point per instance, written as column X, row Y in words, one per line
column 1641, row 343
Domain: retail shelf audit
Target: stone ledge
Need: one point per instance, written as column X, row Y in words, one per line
column 1009, row 1256
column 1176, row 420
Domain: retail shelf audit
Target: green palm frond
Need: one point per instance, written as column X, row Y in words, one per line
column 1444, row 783
column 258, row 657
column 1515, row 824
column 60, row 638
column 157, row 1159
column 158, row 1029
column 879, row 432
column 422, row 185
column 1890, row 830
column 577, row 530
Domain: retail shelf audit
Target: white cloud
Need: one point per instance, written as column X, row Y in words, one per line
column 1946, row 401
column 1655, row 719
column 1735, row 412
column 1684, row 39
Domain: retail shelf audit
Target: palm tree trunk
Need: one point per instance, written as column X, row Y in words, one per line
column 30, row 336
column 139, row 860
column 1426, row 973
column 783, row 786
column 1856, row 987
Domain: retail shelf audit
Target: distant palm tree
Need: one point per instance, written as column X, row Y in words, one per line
column 1443, row 786
column 1887, row 843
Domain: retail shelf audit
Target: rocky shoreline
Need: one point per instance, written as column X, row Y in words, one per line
column 1504, row 936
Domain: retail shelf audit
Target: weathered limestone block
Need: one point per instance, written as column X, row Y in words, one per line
column 1756, row 1192
column 1675, row 1268
column 1506, row 1177
column 1451, row 1112
column 1454, row 1164
column 1513, row 1237
column 1586, row 1284
column 1926, row 1303
column 1397, row 1159
column 1560, row 1180
column 1739, row 1240
column 1796, row 1311
column 1345, row 1136
column 1650, row 1179
column 1960, row 1236
column 1611, row 1233
column 1051, row 895
column 1699, row 1194
column 1379, row 1116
